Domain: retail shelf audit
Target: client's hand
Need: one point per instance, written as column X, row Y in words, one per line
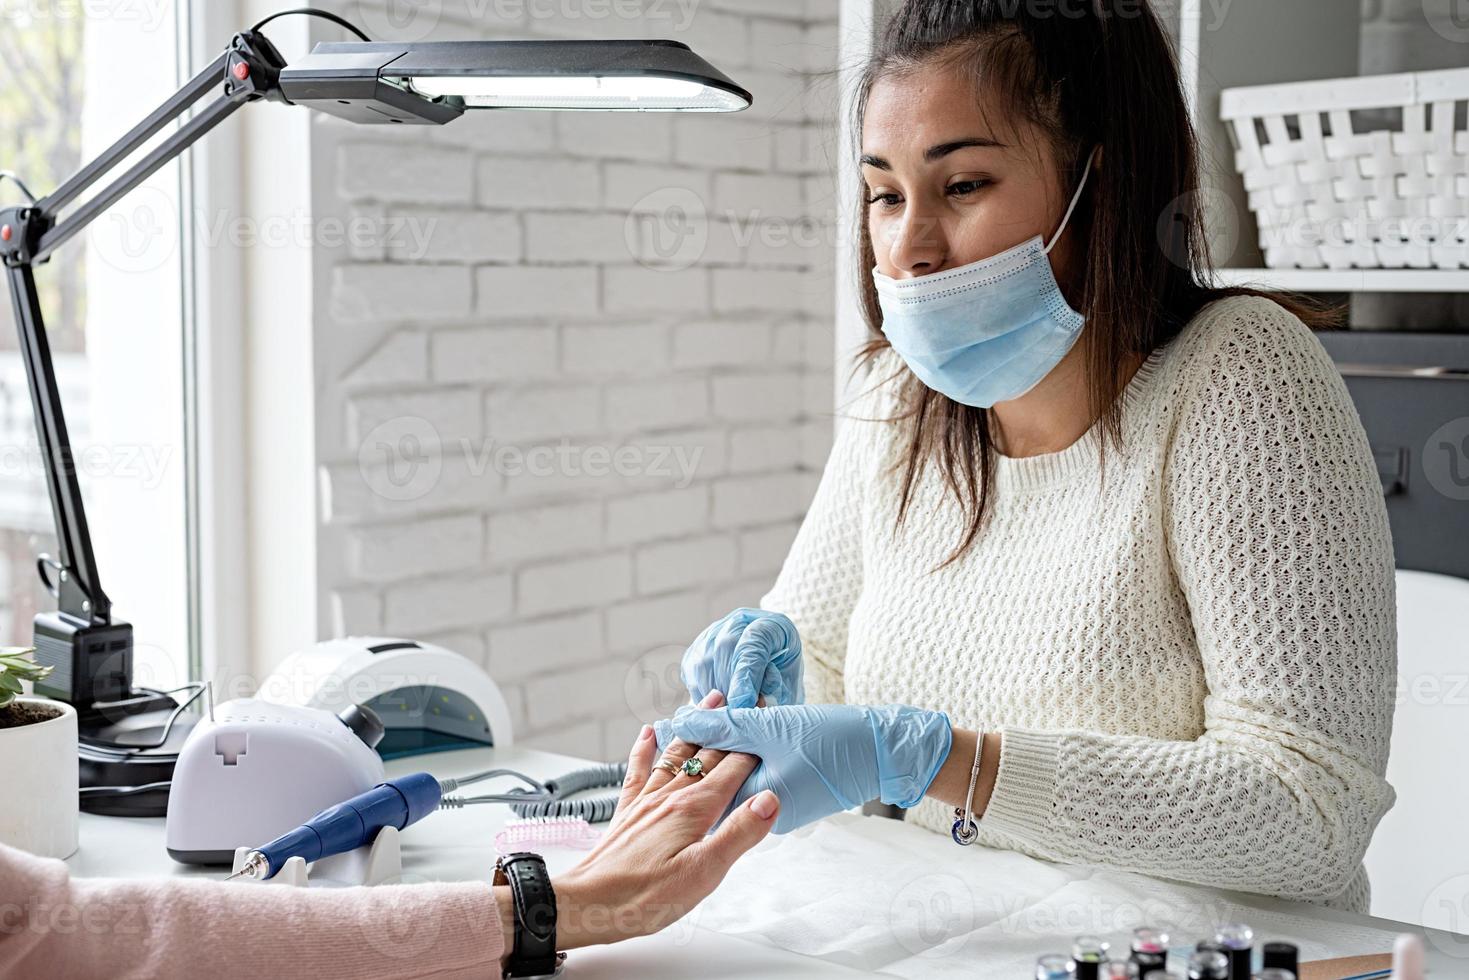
column 657, row 860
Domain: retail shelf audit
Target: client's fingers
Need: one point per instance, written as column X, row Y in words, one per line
column 725, row 781
column 710, row 795
column 708, row 759
column 745, row 827
column 678, row 751
column 639, row 765
column 741, row 830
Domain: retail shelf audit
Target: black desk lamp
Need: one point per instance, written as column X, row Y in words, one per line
column 382, row 83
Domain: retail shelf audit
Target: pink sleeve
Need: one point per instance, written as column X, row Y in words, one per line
column 58, row 928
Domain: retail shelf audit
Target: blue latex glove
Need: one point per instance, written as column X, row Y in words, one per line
column 821, row 759
column 748, row 653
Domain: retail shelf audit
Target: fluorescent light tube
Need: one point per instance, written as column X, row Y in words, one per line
column 648, row 93
column 434, row 82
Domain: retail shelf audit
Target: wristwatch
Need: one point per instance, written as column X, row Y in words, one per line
column 534, row 953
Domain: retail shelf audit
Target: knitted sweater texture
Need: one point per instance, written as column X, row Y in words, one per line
column 1189, row 646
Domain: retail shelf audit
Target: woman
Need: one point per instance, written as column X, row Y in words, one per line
column 1112, row 534
column 651, row 867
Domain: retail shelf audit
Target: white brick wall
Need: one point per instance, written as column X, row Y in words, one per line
column 508, row 300
column 546, row 438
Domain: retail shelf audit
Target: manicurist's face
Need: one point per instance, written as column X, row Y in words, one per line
column 948, row 183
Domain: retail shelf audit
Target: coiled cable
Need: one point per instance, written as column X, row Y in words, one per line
column 595, row 809
column 548, row 799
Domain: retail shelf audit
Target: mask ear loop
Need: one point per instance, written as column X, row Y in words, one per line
column 1085, row 173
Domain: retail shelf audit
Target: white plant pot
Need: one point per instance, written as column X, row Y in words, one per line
column 38, row 783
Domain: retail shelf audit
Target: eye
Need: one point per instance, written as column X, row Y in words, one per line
column 960, row 188
column 887, row 200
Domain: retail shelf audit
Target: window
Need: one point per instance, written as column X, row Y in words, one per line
column 114, row 306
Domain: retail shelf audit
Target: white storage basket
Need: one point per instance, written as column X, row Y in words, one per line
column 1328, row 196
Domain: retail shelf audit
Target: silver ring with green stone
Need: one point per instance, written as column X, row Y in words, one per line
column 693, row 766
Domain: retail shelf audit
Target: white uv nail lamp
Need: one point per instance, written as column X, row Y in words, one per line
column 430, row 699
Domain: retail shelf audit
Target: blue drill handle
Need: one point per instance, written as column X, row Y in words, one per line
column 347, row 826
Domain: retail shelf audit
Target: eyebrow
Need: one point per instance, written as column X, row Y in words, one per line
column 937, row 152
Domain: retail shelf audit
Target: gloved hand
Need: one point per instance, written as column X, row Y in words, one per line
column 820, row 759
column 748, row 653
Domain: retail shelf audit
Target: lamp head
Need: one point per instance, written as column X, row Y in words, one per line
column 433, row 82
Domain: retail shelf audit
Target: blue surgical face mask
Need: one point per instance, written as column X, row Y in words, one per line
column 985, row 332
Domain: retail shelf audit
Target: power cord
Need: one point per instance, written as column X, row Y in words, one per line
column 10, row 176
column 594, row 810
column 124, row 749
column 113, row 792
column 341, row 22
column 546, row 799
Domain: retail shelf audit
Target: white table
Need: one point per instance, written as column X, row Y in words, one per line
column 720, row 939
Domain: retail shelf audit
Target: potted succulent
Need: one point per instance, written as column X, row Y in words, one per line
column 38, row 762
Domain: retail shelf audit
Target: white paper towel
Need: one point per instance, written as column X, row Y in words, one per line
column 887, row 897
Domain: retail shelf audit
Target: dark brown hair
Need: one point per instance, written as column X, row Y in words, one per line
column 1086, row 73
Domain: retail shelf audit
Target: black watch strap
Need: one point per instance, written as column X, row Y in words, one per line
column 535, row 953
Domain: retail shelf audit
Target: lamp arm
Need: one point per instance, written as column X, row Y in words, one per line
column 76, row 586
column 71, row 188
column 249, row 70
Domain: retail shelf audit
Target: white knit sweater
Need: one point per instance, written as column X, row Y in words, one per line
column 1193, row 665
